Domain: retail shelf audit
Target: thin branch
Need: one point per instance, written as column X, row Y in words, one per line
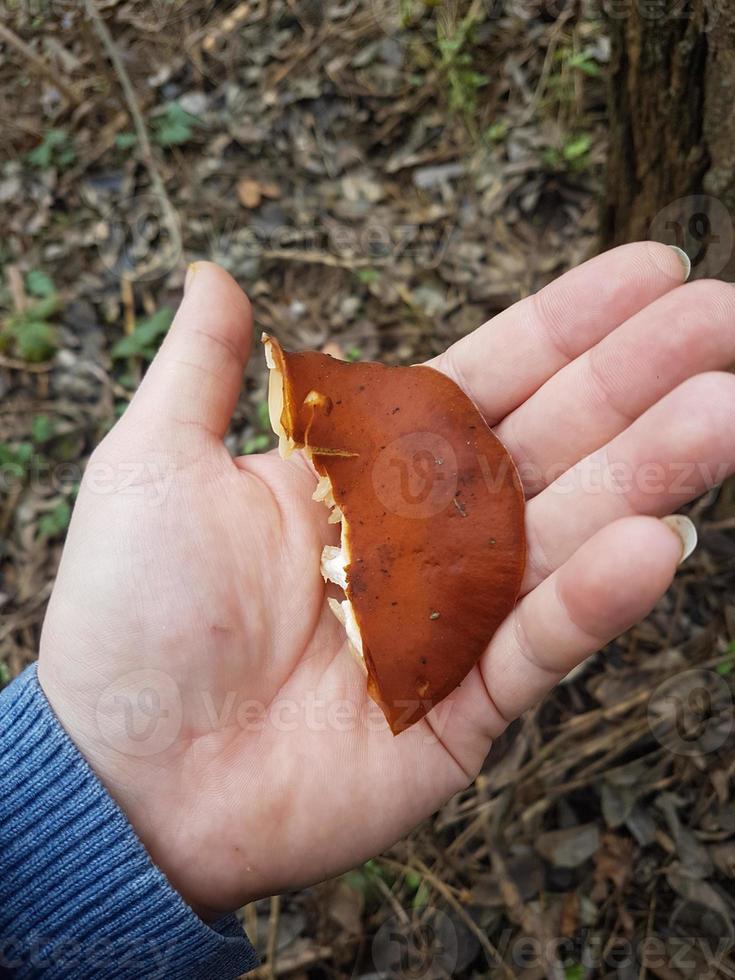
column 320, row 258
column 30, row 367
column 275, row 916
column 144, row 143
column 42, row 67
column 492, row 953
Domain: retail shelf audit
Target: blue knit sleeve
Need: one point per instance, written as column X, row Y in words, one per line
column 79, row 895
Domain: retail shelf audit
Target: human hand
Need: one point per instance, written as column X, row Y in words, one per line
column 188, row 648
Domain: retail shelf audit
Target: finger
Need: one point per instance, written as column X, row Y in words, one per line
column 609, row 584
column 502, row 363
column 674, row 452
column 196, row 376
column 685, row 332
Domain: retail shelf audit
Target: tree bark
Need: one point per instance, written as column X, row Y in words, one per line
column 671, row 158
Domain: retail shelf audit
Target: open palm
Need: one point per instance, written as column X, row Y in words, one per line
column 188, row 647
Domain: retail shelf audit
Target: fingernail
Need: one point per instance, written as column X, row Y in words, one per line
column 684, row 259
column 685, row 530
column 190, row 273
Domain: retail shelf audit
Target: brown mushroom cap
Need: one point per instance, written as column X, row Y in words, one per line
column 433, row 545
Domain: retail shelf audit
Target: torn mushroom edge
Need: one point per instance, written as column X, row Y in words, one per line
column 334, row 561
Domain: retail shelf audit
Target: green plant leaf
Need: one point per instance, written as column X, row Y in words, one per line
column 413, row 880
column 142, row 342
column 16, row 458
column 357, row 881
column 55, row 149
column 35, row 340
column 264, row 418
column 497, row 131
column 124, row 141
column 728, row 663
column 367, row 275
column 421, row 898
column 256, row 444
column 575, row 971
column 173, row 125
column 577, row 148
column 39, row 284
column 584, row 63
column 55, row 521
column 42, row 429
column 41, row 309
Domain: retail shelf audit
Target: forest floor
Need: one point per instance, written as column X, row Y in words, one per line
column 382, row 177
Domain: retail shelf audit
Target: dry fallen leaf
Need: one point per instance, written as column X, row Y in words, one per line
column 614, row 860
column 334, row 350
column 569, row 847
column 248, row 192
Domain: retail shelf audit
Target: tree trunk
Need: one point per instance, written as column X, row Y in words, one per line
column 671, row 159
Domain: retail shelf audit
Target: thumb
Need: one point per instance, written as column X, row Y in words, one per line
column 196, row 376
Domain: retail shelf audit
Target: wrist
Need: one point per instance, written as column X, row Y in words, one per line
column 127, row 731
column 73, row 874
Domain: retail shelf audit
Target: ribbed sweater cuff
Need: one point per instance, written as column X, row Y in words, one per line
column 79, row 895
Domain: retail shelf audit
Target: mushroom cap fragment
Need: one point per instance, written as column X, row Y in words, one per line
column 433, row 546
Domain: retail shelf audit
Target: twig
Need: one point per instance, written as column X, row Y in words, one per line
column 16, row 287
column 320, row 258
column 546, row 67
column 12, row 364
column 30, row 612
column 251, row 922
column 144, row 143
column 398, row 909
column 126, row 292
column 7, row 512
column 728, row 524
column 273, row 934
column 298, row 959
column 492, row 953
column 67, row 90
column 649, row 929
column 524, row 915
column 228, row 25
